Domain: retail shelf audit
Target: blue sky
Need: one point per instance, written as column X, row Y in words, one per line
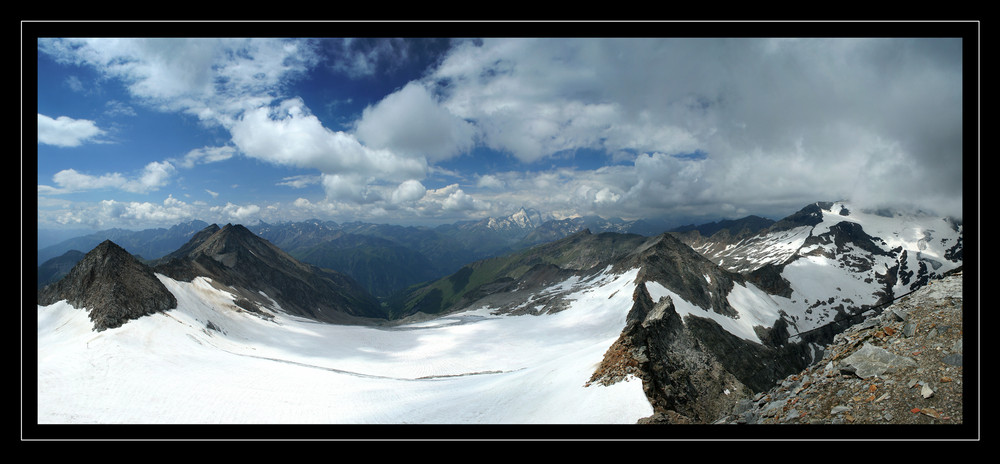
column 151, row 132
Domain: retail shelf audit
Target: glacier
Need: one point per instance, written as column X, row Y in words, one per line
column 207, row 362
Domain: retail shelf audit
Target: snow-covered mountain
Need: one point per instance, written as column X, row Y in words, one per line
column 703, row 335
column 831, row 258
column 592, row 328
column 207, row 362
column 523, row 219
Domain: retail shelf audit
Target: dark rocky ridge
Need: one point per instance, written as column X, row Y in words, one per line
column 506, row 280
column 692, row 369
column 236, row 258
column 112, row 285
column 675, row 265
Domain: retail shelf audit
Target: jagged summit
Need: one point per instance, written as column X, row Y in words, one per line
column 112, row 285
column 668, row 261
column 196, row 240
column 267, row 278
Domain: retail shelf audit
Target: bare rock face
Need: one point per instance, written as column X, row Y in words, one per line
column 263, row 276
column 692, row 370
column 112, row 285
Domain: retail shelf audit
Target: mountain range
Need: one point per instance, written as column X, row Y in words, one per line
column 384, row 258
column 703, row 316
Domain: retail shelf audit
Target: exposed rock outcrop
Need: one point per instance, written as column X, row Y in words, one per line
column 692, row 369
column 112, row 285
column 265, row 277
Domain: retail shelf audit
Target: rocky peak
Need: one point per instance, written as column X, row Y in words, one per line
column 250, row 265
column 196, row 240
column 810, row 215
column 667, row 260
column 112, row 285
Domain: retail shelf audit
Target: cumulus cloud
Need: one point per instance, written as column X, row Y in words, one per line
column 408, row 191
column 789, row 120
column 71, row 180
column 349, row 187
column 113, row 213
column 152, row 177
column 64, row 131
column 290, row 135
column 411, row 121
column 213, row 79
column 489, row 181
column 238, row 213
column 774, row 124
column 451, row 198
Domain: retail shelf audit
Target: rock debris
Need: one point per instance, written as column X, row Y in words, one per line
column 902, row 366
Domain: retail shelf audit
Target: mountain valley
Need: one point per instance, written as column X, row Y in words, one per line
column 673, row 327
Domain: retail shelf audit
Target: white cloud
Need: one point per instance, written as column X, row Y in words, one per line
column 128, row 214
column 238, row 213
column 153, row 176
column 300, row 181
column 450, row 198
column 206, row 155
column 489, row 181
column 213, row 79
column 290, row 135
column 71, row 180
column 779, row 121
column 64, row 131
column 408, row 191
column 348, row 187
column 459, row 201
column 411, row 121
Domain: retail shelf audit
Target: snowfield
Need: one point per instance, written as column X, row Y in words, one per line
column 207, row 363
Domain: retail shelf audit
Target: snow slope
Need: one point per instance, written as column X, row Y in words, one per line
column 825, row 278
column 207, row 363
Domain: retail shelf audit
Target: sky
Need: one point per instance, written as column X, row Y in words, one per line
column 150, row 132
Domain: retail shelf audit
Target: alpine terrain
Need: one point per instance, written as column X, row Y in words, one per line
column 677, row 327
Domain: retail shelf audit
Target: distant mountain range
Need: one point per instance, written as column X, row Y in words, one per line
column 148, row 243
column 384, row 258
column 718, row 311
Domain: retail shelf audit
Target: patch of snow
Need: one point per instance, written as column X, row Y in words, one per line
column 751, row 304
column 466, row 368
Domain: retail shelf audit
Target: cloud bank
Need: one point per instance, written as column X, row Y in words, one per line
column 710, row 127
